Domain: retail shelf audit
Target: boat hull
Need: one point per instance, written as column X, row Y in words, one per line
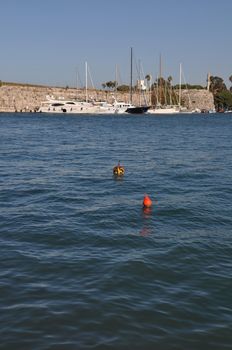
column 137, row 110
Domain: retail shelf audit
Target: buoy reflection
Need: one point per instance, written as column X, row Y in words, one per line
column 147, row 211
column 146, row 231
column 146, row 214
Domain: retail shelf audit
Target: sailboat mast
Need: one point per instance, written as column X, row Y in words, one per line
column 86, row 82
column 139, row 85
column 160, row 67
column 131, row 75
column 157, row 91
column 180, row 86
column 160, row 82
column 77, row 83
column 116, row 81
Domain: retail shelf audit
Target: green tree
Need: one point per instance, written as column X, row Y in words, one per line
column 223, row 100
column 222, row 97
column 111, row 84
column 230, row 79
column 217, row 85
column 123, row 88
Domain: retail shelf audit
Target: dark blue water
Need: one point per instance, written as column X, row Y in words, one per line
column 82, row 265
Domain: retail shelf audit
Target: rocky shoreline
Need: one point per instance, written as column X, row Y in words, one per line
column 19, row 98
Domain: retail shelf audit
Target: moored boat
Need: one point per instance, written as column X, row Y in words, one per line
column 66, row 106
column 164, row 110
column 138, row 109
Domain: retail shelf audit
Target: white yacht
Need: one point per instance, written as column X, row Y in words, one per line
column 164, row 110
column 121, row 107
column 76, row 107
column 52, row 105
column 66, row 106
column 101, row 107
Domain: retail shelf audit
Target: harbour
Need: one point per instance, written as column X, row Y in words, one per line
column 24, row 98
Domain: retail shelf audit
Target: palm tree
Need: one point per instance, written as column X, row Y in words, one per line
column 148, row 79
column 170, row 88
column 230, row 79
column 170, row 79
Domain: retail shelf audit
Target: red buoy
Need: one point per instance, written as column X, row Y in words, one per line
column 147, row 202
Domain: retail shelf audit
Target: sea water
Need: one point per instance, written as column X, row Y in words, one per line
column 83, row 265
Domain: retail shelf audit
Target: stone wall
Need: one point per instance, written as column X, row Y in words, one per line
column 28, row 98
column 198, row 99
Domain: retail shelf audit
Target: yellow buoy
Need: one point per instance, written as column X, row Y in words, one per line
column 118, row 170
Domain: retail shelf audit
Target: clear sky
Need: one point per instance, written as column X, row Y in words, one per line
column 48, row 41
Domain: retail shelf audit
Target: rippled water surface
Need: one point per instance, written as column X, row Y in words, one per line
column 83, row 265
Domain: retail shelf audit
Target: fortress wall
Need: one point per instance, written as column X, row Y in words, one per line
column 28, row 98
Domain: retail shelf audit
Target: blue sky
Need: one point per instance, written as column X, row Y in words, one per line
column 48, row 41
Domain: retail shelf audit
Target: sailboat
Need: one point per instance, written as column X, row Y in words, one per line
column 134, row 109
column 166, row 109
